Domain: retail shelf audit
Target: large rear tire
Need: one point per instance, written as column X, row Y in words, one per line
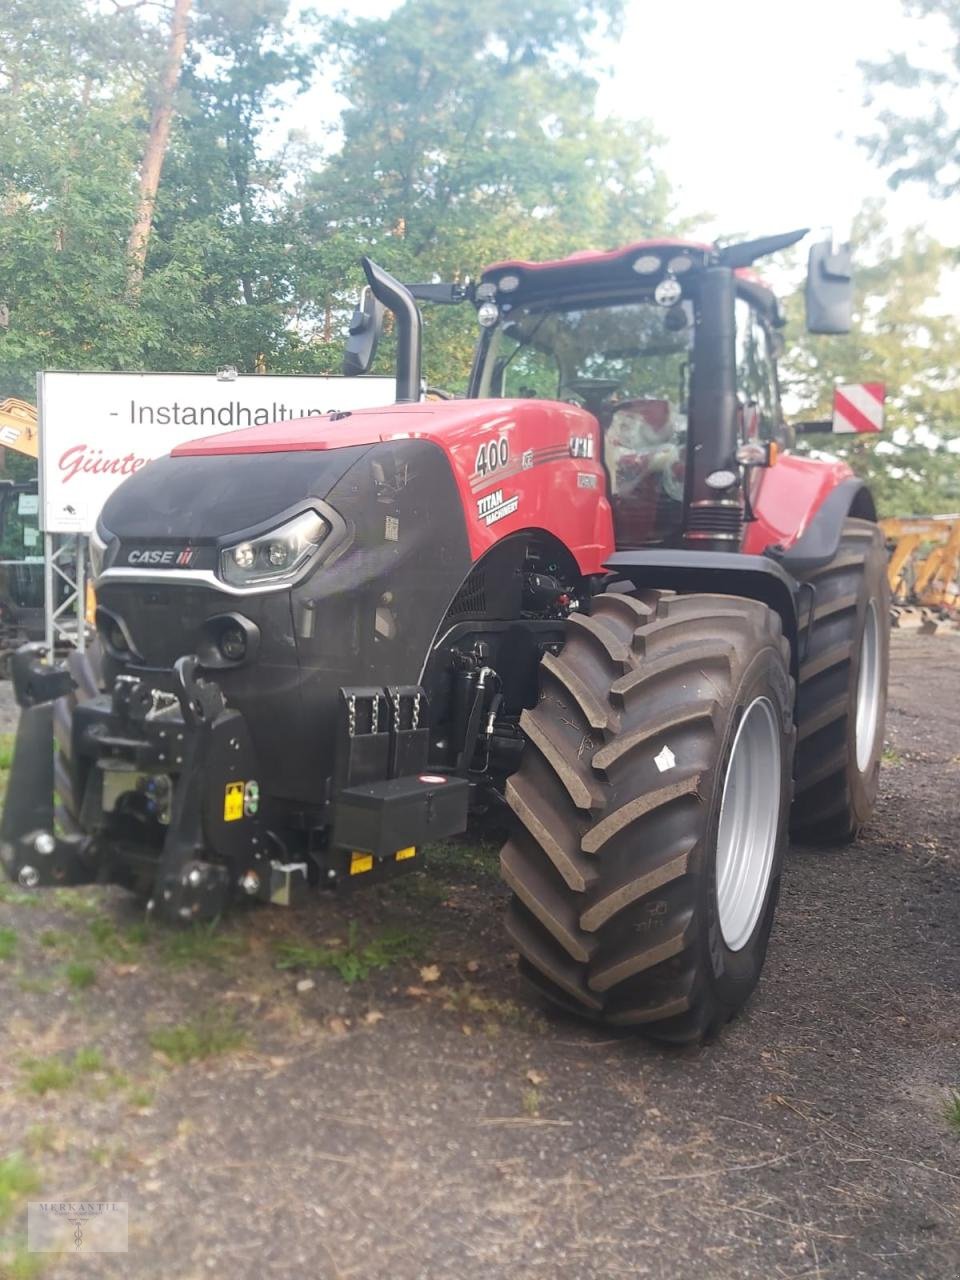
column 842, row 692
column 636, row 900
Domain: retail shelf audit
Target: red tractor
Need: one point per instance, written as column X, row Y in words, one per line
column 600, row 588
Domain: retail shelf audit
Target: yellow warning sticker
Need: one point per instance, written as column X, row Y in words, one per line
column 360, row 862
column 233, row 802
column 403, row 854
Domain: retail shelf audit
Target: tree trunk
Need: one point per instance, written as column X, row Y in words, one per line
column 156, row 147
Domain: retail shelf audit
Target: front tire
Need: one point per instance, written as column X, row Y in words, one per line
column 842, row 693
column 622, row 910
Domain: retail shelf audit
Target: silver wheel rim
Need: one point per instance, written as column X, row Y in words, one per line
column 868, row 689
column 749, row 821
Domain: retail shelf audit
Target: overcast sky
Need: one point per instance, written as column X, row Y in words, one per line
column 759, row 103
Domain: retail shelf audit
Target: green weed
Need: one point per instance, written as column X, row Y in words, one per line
column 44, row 1075
column 355, row 961
column 80, row 975
column 18, row 1180
column 8, row 943
column 190, row 1042
column 951, row 1109
column 205, row 944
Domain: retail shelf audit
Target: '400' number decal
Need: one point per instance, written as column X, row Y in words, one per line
column 492, row 455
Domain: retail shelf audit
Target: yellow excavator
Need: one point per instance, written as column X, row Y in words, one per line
column 924, row 566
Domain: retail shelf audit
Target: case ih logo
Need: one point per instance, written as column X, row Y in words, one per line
column 170, row 559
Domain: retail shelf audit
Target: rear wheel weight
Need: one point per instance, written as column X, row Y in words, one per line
column 677, row 821
column 842, row 692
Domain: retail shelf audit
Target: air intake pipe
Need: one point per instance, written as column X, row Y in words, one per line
column 714, row 515
column 398, row 299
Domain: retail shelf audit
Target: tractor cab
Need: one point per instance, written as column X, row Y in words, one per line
column 670, row 345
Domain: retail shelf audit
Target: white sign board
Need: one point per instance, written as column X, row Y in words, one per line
column 98, row 428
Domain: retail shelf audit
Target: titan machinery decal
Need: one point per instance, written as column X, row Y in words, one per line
column 494, row 506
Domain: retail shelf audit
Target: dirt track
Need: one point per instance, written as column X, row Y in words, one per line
column 432, row 1121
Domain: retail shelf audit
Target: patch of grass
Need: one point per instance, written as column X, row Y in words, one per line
column 194, row 1041
column 108, row 942
column 530, row 1101
column 8, row 943
column 14, row 897
column 55, row 939
column 80, row 974
column 6, row 750
column 35, row 985
column 44, row 1075
column 18, row 1179
column 891, row 755
column 75, row 902
column 467, row 859
column 951, row 1109
column 20, row 1264
column 495, row 1012
column 140, row 1096
column 41, row 1137
column 204, row 944
column 355, row 961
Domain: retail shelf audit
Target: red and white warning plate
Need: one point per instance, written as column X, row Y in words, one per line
column 858, row 407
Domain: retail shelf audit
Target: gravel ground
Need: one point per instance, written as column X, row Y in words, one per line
column 432, row 1120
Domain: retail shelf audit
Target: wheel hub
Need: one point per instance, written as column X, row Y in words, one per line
column 749, row 821
column 868, row 690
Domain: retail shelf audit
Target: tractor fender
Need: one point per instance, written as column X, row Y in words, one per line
column 820, row 540
column 716, row 572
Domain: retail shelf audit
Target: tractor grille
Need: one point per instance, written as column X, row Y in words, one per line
column 721, row 519
column 472, row 596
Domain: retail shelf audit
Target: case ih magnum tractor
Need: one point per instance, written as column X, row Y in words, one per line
column 601, row 589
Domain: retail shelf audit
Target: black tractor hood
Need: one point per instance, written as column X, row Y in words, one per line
column 197, row 498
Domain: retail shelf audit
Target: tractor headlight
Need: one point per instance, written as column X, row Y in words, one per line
column 276, row 556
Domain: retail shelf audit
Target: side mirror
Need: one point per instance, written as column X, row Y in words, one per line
column 829, row 292
column 366, row 324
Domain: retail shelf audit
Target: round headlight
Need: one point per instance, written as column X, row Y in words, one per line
column 244, row 555
column 488, row 313
column 278, row 553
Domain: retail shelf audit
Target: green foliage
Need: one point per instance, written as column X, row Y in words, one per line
column 470, row 133
column 44, row 1075
column 205, row 944
column 951, row 1110
column 903, row 337
column 8, row 943
column 194, row 1041
column 80, row 975
column 355, row 961
column 18, row 1180
column 471, row 136
column 919, row 123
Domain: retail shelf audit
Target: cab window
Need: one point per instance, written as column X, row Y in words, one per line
column 758, row 400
